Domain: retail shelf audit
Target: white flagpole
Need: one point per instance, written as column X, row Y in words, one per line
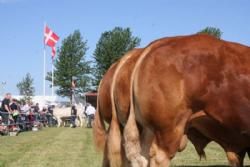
column 44, row 62
column 52, row 91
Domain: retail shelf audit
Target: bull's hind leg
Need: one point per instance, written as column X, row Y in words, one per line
column 241, row 157
column 168, row 141
column 116, row 153
column 157, row 156
column 183, row 144
column 105, row 161
column 146, row 139
column 114, row 144
column 233, row 159
column 132, row 142
column 163, row 149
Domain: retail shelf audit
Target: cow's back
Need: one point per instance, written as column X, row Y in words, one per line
column 121, row 84
column 104, row 99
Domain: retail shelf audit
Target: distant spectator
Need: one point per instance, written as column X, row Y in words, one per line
column 43, row 116
column 5, row 108
column 90, row 113
column 50, row 109
column 36, row 111
column 14, row 107
column 49, row 115
column 25, row 108
column 36, row 108
column 73, row 116
column 3, row 127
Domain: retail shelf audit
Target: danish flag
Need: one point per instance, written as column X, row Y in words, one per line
column 50, row 39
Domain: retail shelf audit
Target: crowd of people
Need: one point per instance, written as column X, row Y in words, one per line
column 20, row 115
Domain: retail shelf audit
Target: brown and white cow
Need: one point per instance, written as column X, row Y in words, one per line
column 202, row 129
column 117, row 80
column 175, row 77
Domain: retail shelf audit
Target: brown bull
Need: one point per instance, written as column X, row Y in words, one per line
column 202, row 130
column 103, row 112
column 119, row 74
column 175, row 77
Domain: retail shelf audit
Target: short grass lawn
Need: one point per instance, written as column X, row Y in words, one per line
column 67, row 147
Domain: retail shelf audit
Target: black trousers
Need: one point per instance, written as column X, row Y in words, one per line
column 5, row 117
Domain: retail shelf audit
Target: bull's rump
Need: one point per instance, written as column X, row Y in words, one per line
column 195, row 72
column 104, row 100
column 121, row 84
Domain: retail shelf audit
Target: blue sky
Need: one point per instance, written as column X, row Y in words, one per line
column 21, row 27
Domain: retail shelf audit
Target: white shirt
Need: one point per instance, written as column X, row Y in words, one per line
column 90, row 110
column 25, row 108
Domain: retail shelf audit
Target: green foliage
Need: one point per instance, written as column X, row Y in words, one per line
column 216, row 32
column 26, row 87
column 70, row 65
column 110, row 47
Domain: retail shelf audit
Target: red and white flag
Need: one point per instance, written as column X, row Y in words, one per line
column 50, row 39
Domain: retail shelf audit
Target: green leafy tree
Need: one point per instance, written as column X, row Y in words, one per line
column 216, row 32
column 110, row 47
column 26, row 87
column 70, row 65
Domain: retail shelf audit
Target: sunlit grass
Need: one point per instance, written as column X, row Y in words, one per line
column 51, row 147
column 67, row 147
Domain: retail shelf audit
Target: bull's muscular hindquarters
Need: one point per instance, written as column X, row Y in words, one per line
column 175, row 76
column 120, row 106
column 113, row 101
column 164, row 109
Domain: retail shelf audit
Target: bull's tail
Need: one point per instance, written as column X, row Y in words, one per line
column 248, row 152
column 114, row 136
column 132, row 141
column 99, row 130
column 114, row 139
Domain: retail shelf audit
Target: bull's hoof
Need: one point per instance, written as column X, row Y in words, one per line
column 139, row 161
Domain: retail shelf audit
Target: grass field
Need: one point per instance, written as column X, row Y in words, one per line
column 66, row 147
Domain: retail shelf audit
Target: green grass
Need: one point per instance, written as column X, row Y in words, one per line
column 51, row 147
column 215, row 156
column 66, row 147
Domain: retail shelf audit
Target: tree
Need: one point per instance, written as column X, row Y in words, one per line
column 216, row 32
column 110, row 47
column 26, row 87
column 70, row 65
